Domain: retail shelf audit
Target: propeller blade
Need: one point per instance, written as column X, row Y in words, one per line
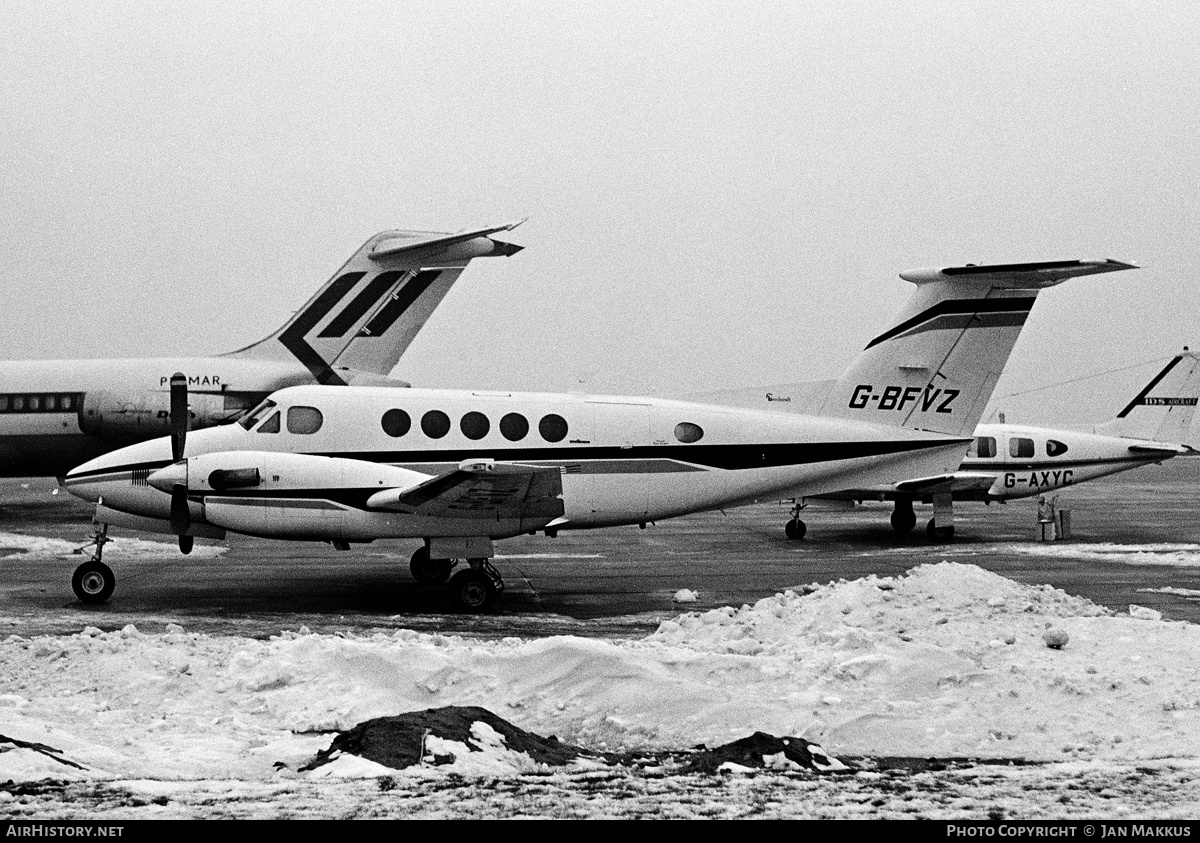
column 179, row 415
column 181, row 515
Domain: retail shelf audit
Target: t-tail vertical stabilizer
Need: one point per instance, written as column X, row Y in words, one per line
column 1163, row 410
column 369, row 312
column 935, row 368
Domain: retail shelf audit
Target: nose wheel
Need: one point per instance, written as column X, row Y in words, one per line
column 795, row 529
column 93, row 581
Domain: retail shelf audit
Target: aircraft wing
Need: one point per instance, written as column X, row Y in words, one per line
column 480, row 489
column 955, row 481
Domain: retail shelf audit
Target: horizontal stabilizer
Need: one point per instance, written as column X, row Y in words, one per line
column 432, row 243
column 1163, row 448
column 481, row 489
column 956, row 481
column 1017, row 275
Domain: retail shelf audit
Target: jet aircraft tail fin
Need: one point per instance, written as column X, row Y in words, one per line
column 935, row 368
column 368, row 313
column 1162, row 411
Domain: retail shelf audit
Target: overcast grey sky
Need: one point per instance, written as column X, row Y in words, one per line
column 719, row 194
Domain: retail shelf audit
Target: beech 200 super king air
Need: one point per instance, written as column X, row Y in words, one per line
column 55, row 414
column 461, row 469
column 1008, row 461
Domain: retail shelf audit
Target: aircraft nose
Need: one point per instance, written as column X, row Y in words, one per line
column 165, row 479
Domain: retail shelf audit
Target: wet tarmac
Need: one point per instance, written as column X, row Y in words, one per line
column 1135, row 540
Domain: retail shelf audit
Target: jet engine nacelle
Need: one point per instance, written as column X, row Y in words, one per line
column 137, row 416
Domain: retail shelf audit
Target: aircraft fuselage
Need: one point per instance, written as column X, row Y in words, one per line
column 621, row 460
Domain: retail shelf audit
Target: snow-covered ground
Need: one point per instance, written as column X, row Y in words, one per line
column 946, row 661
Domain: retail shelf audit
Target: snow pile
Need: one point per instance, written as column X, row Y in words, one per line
column 1176, row 554
column 946, row 661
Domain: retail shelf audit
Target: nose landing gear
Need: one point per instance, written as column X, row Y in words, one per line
column 93, row 581
column 795, row 528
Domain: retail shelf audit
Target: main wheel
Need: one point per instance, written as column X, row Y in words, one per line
column 93, row 582
column 903, row 522
column 472, row 591
column 795, row 529
column 425, row 570
column 938, row 534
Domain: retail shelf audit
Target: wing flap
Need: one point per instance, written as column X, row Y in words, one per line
column 955, row 481
column 481, row 489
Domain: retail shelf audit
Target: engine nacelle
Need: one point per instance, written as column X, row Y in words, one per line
column 286, row 496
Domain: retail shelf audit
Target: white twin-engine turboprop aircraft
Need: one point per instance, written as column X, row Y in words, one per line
column 460, row 469
column 55, row 414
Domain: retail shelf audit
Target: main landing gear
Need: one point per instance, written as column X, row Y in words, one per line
column 93, row 581
column 473, row 589
column 903, row 517
column 940, row 527
column 795, row 528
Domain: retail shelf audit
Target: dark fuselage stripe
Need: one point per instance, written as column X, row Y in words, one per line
column 619, row 460
column 1041, row 466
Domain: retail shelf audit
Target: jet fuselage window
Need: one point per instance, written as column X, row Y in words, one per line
column 553, row 428
column 435, row 424
column 271, row 425
column 984, row 446
column 1019, row 446
column 396, row 422
column 687, row 432
column 54, row 402
column 1055, row 448
column 514, row 427
column 304, row 420
column 474, row 425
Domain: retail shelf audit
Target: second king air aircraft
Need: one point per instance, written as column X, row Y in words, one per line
column 460, row 469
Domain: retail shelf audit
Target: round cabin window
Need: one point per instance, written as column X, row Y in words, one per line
column 514, row 427
column 553, row 428
column 435, row 424
column 396, row 423
column 475, row 425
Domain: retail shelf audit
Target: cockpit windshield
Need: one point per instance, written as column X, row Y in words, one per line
column 252, row 418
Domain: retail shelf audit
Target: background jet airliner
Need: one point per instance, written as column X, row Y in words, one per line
column 55, row 414
column 1007, row 461
column 460, row 469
